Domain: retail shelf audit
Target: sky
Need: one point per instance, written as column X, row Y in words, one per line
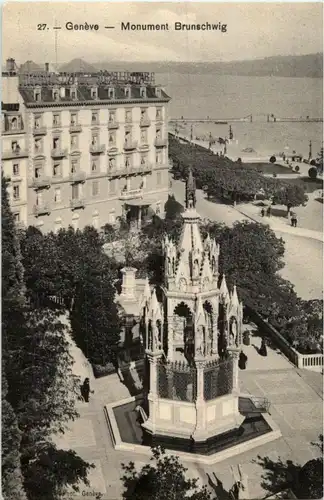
column 254, row 30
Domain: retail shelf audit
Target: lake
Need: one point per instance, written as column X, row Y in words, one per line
column 227, row 96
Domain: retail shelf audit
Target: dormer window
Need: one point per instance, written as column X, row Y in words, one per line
column 14, row 123
column 143, row 92
column 158, row 92
column 37, row 95
column 127, row 92
column 73, row 94
column 94, row 117
column 56, row 95
column 111, row 93
column 94, row 93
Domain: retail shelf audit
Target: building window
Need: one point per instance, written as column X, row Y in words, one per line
column 94, row 166
column 57, row 195
column 143, row 92
column 127, row 161
column 58, row 225
column 112, row 186
column 159, row 113
column 128, row 137
column 15, row 169
column 74, row 166
column 112, row 139
column 73, row 119
column 112, row 163
column 39, row 199
column 38, row 146
column 56, row 95
column 94, row 117
column 37, row 95
column 73, row 94
column 15, row 148
column 112, row 117
column 38, row 172
column 127, row 92
column 56, row 143
column 95, row 188
column 37, row 122
column 56, row 170
column 14, row 123
column 158, row 158
column 143, row 136
column 94, row 93
column 74, row 142
column 111, row 218
column 111, row 93
column 75, row 192
column 158, row 178
column 143, row 183
column 16, row 192
column 94, row 140
column 56, row 120
column 128, row 116
column 17, row 217
column 75, row 221
column 158, row 134
column 143, row 160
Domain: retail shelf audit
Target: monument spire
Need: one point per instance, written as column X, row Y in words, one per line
column 190, row 191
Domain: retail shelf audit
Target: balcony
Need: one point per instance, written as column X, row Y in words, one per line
column 113, row 125
column 131, row 194
column 75, row 177
column 13, row 131
column 41, row 182
column 160, row 143
column 145, row 122
column 130, row 145
column 16, row 153
column 42, row 209
column 75, row 128
column 58, row 153
column 112, row 150
column 39, row 131
column 77, row 203
column 97, row 149
column 144, row 147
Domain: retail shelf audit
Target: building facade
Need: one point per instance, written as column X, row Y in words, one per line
column 84, row 149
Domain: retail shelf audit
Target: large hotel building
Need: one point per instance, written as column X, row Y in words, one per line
column 84, row 149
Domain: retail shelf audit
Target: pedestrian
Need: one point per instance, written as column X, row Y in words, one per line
column 262, row 212
column 269, row 211
column 242, row 361
column 85, row 390
column 294, row 220
column 263, row 349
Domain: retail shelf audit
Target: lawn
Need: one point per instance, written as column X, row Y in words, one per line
column 310, row 185
column 269, row 168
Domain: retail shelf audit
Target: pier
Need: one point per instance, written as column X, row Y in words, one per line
column 247, row 119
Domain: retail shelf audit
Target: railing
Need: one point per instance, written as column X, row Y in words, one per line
column 310, row 360
column 75, row 128
column 131, row 194
column 97, row 148
column 129, row 145
column 177, row 381
column 13, row 131
column 160, row 143
column 42, row 209
column 77, row 177
column 218, row 379
column 145, row 122
column 113, row 125
column 58, row 153
column 21, row 153
column 77, row 203
column 124, row 171
column 40, row 131
column 41, row 182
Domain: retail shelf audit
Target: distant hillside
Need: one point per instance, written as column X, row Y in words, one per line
column 30, row 67
column 310, row 65
column 78, row 65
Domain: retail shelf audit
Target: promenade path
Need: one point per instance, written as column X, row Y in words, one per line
column 304, row 247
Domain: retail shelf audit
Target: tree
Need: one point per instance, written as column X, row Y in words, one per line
column 12, row 479
column 312, row 173
column 272, row 159
column 172, row 208
column 319, row 160
column 166, row 478
column 290, row 194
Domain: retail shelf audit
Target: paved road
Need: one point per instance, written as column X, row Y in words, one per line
column 303, row 257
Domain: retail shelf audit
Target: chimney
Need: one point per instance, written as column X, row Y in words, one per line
column 128, row 283
column 11, row 65
column 47, row 67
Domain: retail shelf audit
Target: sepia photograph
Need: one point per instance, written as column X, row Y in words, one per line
column 162, row 250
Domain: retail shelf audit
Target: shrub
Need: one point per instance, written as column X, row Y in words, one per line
column 296, row 168
column 313, row 163
column 274, row 174
column 273, row 159
column 312, row 173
